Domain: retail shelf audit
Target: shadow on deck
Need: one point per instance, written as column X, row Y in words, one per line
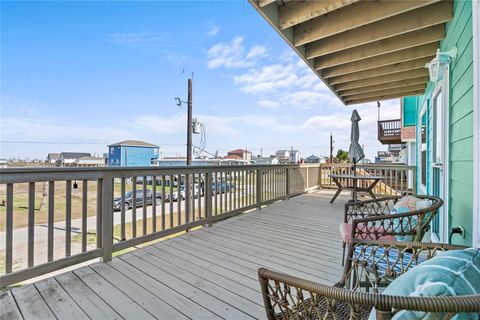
column 204, row 274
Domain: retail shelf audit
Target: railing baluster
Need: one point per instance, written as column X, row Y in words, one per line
column 9, row 230
column 163, row 202
column 122, row 209
column 31, row 223
column 68, row 219
column 84, row 214
column 201, row 190
column 51, row 219
column 171, row 201
column 134, row 207
column 215, row 194
column 194, row 178
column 179, row 200
column 154, row 204
column 99, row 213
column 223, row 190
column 144, row 207
column 231, row 190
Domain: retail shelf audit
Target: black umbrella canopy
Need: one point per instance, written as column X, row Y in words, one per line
column 355, row 152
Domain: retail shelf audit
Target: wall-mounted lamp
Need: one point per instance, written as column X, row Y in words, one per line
column 436, row 67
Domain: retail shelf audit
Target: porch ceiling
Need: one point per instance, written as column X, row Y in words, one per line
column 363, row 50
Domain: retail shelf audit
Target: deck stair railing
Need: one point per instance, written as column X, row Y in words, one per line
column 52, row 218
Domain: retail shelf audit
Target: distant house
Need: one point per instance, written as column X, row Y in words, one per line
column 288, row 156
column 132, row 153
column 69, row 159
column 265, row 160
column 312, row 159
column 53, row 158
column 243, row 154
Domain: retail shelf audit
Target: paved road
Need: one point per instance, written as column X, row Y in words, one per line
column 20, row 236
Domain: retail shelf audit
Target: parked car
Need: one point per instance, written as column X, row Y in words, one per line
column 197, row 191
column 139, row 200
column 222, row 187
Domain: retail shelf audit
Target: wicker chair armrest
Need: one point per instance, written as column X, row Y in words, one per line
column 286, row 294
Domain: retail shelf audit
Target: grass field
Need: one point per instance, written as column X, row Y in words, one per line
column 20, row 201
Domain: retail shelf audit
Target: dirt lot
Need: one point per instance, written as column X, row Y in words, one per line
column 20, row 201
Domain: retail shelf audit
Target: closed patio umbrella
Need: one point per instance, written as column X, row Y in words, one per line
column 355, row 152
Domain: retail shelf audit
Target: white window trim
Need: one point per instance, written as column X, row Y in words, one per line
column 443, row 86
column 476, row 122
column 420, row 148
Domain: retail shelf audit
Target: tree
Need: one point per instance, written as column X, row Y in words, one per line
column 342, row 156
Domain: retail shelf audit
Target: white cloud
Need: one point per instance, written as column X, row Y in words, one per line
column 213, row 31
column 269, row 104
column 232, row 54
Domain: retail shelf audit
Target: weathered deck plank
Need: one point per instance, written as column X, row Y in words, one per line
column 209, row 273
column 8, row 307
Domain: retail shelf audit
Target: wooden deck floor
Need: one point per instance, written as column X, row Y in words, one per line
column 205, row 274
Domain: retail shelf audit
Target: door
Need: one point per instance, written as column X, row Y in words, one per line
column 439, row 177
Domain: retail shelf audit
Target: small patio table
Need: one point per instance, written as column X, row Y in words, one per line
column 339, row 178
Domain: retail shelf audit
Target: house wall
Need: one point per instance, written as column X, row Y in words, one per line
column 409, row 111
column 130, row 156
column 460, row 129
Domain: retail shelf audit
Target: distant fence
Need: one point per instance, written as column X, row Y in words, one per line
column 396, row 179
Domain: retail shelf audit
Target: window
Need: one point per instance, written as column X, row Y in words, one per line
column 437, row 128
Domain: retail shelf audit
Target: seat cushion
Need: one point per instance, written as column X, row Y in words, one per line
column 346, row 233
column 386, row 262
column 411, row 203
column 451, row 273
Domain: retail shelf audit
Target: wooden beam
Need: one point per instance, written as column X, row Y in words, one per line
column 405, row 75
column 386, row 97
column 391, row 91
column 263, row 3
column 400, row 42
column 391, row 69
column 296, row 12
column 423, row 51
column 351, row 17
column 414, row 20
column 383, row 86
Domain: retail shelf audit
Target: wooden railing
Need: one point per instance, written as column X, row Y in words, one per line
column 52, row 218
column 396, row 179
column 389, row 131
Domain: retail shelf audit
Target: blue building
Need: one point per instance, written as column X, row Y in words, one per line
column 132, row 153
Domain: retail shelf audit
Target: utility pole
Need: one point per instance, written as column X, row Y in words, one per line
column 331, row 148
column 188, row 184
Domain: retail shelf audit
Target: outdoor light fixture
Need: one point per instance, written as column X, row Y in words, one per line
column 436, row 67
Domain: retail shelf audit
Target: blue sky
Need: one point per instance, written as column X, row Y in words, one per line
column 76, row 76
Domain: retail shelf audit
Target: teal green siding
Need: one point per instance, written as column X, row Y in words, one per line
column 409, row 111
column 460, row 198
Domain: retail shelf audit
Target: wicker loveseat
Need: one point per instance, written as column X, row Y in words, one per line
column 288, row 297
column 374, row 220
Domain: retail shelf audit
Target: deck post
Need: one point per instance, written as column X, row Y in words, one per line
column 287, row 183
column 107, row 217
column 259, row 188
column 208, row 198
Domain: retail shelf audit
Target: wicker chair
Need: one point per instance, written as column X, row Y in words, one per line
column 288, row 297
column 372, row 220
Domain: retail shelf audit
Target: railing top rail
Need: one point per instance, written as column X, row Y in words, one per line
column 18, row 175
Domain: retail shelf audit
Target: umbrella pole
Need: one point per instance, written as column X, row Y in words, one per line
column 354, row 180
